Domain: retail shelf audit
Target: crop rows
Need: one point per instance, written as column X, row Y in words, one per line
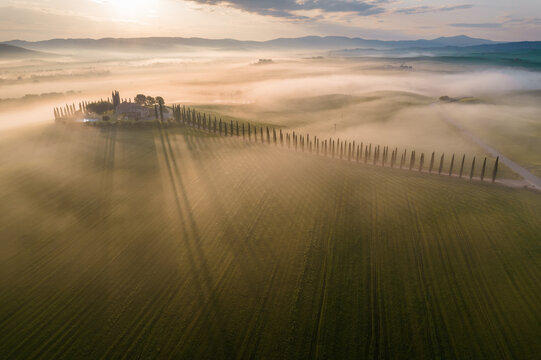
column 192, row 246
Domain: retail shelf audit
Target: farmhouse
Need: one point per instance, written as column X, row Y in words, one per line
column 132, row 110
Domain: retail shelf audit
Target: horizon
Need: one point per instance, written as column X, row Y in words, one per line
column 267, row 20
column 270, row 179
column 253, row 40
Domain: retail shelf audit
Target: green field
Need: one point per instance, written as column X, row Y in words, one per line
column 173, row 243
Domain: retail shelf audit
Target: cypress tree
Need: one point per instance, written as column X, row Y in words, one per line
column 156, row 111
column 441, row 164
column 249, row 132
column 261, row 132
column 421, row 162
column 412, row 160
column 366, row 155
column 243, row 130
column 483, row 169
column 161, row 111
column 451, row 167
column 431, row 164
column 472, row 168
column 495, row 170
column 401, row 161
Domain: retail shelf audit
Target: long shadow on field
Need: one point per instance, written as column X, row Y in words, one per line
column 247, row 263
column 196, row 256
column 247, row 259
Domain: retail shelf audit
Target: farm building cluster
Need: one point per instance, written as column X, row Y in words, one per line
column 144, row 108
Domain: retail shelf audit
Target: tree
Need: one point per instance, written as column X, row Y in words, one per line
column 140, row 99
column 495, row 170
column 150, row 100
column 99, row 107
column 116, row 99
column 160, row 100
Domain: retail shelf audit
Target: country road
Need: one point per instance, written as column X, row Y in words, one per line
column 531, row 179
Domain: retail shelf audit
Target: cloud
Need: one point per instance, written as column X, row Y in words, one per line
column 478, row 26
column 30, row 24
column 432, row 9
column 291, row 8
column 522, row 21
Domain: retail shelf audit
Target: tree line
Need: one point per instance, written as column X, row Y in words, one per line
column 333, row 148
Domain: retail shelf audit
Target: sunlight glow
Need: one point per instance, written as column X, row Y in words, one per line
column 132, row 9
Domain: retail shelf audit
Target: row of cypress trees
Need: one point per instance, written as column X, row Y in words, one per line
column 349, row 150
column 69, row 110
column 339, row 149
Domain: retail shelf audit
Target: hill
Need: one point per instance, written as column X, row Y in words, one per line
column 187, row 245
column 11, row 51
column 176, row 43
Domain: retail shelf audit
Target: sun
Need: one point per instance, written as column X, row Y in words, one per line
column 132, row 9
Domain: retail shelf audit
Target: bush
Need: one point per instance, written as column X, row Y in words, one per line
column 99, row 107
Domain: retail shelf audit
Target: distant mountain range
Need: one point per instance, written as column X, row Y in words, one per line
column 11, row 51
column 173, row 43
column 524, row 54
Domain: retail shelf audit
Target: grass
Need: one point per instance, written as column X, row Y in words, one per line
column 169, row 243
column 514, row 133
column 389, row 118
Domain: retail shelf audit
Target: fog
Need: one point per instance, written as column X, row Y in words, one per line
column 362, row 99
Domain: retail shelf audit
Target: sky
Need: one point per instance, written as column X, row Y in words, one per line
column 502, row 20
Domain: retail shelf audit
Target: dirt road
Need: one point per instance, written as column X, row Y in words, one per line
column 531, row 180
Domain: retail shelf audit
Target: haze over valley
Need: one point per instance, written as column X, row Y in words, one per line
column 345, row 179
